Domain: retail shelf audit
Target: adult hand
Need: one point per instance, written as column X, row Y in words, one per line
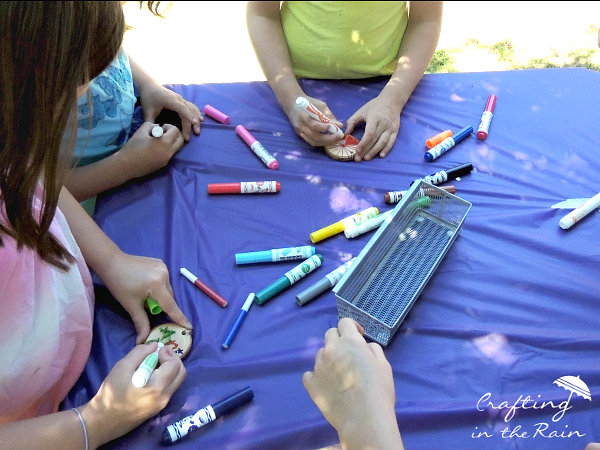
column 146, row 154
column 352, row 385
column 382, row 121
column 119, row 407
column 154, row 98
column 313, row 131
column 132, row 279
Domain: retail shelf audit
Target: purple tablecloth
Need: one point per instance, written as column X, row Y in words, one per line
column 514, row 305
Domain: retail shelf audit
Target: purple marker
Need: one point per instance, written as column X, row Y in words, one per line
column 257, row 147
column 447, row 144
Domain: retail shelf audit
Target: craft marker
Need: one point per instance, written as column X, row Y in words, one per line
column 206, row 415
column 396, row 196
column 289, row 278
column 277, row 254
column 304, row 105
column 338, row 227
column 321, row 286
column 157, row 131
column 257, row 147
column 447, row 144
column 238, row 322
column 577, row 214
column 352, row 231
column 153, row 306
column 216, row 114
column 444, row 175
column 435, row 140
column 486, row 118
column 245, row 187
column 203, row 287
column 144, row 371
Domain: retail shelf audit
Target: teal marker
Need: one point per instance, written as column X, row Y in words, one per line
column 289, row 278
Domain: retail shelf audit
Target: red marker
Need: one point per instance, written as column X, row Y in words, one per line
column 245, row 187
column 486, row 118
column 204, row 288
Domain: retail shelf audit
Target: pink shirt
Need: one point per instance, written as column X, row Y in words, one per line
column 46, row 319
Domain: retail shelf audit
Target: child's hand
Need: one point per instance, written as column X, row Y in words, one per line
column 352, row 385
column 119, row 407
column 154, row 98
column 382, row 118
column 146, row 154
column 132, row 279
column 311, row 130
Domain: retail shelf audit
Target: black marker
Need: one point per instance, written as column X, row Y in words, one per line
column 445, row 175
column 206, row 415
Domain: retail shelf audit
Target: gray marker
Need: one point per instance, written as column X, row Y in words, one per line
column 321, row 286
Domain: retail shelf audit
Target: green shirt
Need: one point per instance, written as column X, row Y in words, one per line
column 338, row 40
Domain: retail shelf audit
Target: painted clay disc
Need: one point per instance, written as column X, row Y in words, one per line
column 343, row 151
column 174, row 336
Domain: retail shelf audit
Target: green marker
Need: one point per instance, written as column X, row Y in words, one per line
column 142, row 374
column 153, row 306
column 289, row 278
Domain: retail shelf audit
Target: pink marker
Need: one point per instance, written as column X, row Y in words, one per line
column 486, row 118
column 257, row 147
column 216, row 114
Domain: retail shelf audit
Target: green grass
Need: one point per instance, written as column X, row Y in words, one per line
column 445, row 60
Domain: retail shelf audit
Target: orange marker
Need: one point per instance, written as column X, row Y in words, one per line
column 435, row 140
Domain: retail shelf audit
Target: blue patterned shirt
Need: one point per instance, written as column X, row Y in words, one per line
column 104, row 128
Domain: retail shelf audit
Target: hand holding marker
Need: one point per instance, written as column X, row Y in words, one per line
column 304, row 105
column 144, row 371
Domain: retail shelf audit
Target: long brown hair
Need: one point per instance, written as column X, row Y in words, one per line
column 47, row 50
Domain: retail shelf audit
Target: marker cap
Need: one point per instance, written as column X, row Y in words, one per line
column 313, row 291
column 233, row 402
column 253, row 257
column 326, row 232
column 245, row 135
column 153, row 306
column 435, row 140
column 272, row 290
column 224, row 188
column 157, row 131
column 216, row 114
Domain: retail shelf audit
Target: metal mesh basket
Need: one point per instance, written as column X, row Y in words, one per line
column 393, row 268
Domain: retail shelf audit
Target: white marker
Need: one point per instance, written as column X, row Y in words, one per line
column 577, row 214
column 356, row 230
column 157, row 131
column 142, row 374
column 303, row 104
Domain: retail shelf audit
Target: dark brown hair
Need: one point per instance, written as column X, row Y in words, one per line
column 47, row 50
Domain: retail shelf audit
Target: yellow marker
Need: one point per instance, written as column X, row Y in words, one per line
column 340, row 226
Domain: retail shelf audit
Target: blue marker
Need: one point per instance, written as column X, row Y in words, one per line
column 447, row 144
column 238, row 322
column 277, row 254
column 206, row 415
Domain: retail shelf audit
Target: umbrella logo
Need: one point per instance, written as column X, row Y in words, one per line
column 575, row 385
